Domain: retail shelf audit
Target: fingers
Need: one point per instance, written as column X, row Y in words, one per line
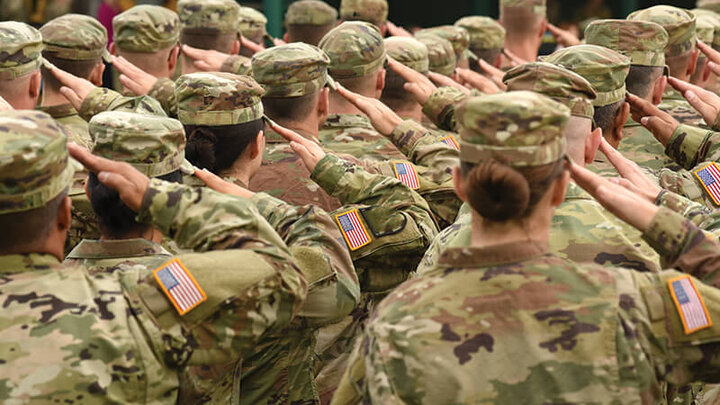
column 252, row 46
column 443, row 80
column 91, row 162
column 714, row 67
column 71, row 97
column 404, row 71
column 288, row 134
column 351, row 96
column 586, row 179
column 194, row 53
column 712, row 55
column 278, row 42
column 202, row 65
column 641, row 106
column 478, row 81
column 699, row 104
column 130, row 85
column 125, row 67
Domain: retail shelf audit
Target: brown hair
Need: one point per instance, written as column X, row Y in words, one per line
column 208, row 38
column 500, row 193
column 79, row 68
column 310, row 34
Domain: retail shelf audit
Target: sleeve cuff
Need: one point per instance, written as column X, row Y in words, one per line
column 406, row 135
column 328, row 172
column 440, row 107
column 97, row 101
column 667, row 233
column 267, row 204
column 236, row 64
column 685, row 144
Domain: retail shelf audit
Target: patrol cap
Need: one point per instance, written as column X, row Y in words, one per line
column 146, row 28
column 538, row 7
column 458, row 37
column 291, row 70
column 217, row 99
column 310, row 12
column 20, row 49
column 643, row 42
column 372, row 11
column 408, row 51
column 558, row 83
column 139, row 105
column 251, row 23
column 712, row 5
column 679, row 24
column 517, row 128
column 441, row 55
column 355, row 48
column 75, row 37
column 222, row 15
column 708, row 26
column 34, row 163
column 153, row 145
column 485, row 33
column 603, row 67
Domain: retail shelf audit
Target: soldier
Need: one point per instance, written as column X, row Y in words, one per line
column 680, row 55
column 308, row 21
column 504, row 321
column 371, row 11
column 525, row 24
column 76, row 44
column 712, row 5
column 251, row 25
column 73, row 336
column 441, row 56
column 486, row 40
column 707, row 23
column 413, row 54
column 458, row 37
column 20, row 58
column 357, row 58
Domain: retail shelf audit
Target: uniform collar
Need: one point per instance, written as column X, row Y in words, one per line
column 347, row 121
column 59, row 111
column 113, row 249
column 506, row 253
column 27, row 262
column 575, row 192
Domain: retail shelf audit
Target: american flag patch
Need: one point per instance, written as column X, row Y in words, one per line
column 405, row 172
column 180, row 286
column 689, row 304
column 353, row 229
column 451, row 142
column 709, row 177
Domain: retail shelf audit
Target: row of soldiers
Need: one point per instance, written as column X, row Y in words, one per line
column 349, row 218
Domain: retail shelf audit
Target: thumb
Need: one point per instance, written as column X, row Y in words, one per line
column 653, row 124
column 129, row 84
column 697, row 103
column 202, row 65
column 71, row 96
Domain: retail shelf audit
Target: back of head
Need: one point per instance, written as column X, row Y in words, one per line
column 291, row 75
column 458, row 37
column 251, row 24
column 512, row 149
column 522, row 18
column 441, row 56
column 35, row 175
column 74, row 43
column 411, row 53
column 486, row 37
column 356, row 50
column 146, row 29
column 222, row 113
column 20, row 55
column 209, row 24
column 371, row 11
column 711, row 5
column 309, row 20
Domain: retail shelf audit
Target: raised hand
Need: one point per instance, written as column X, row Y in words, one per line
column 636, row 180
column 563, row 37
column 381, row 116
column 310, row 152
column 495, row 74
column 705, row 102
column 207, row 60
column 417, row 83
column 480, row 82
column 396, row 31
column 660, row 123
column 216, row 183
column 443, row 80
column 132, row 77
column 74, row 88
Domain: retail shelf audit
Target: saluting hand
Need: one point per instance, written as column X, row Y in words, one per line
column 207, row 60
column 132, row 77
column 661, row 124
column 381, row 116
column 74, row 89
column 216, row 183
column 310, row 152
column 417, row 83
column 705, row 102
column 633, row 177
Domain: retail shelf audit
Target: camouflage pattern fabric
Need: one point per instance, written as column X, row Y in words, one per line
column 675, row 104
column 679, row 24
column 408, row 51
column 237, row 64
column 291, row 70
column 355, row 49
column 705, row 26
column 353, row 134
column 441, row 55
column 458, row 37
column 222, row 15
column 538, row 7
column 67, row 116
column 251, row 23
column 439, row 312
column 372, row 11
column 643, row 42
column 310, row 12
column 712, row 5
column 217, row 99
column 146, row 28
column 20, row 49
column 75, row 37
column 440, row 107
column 485, row 33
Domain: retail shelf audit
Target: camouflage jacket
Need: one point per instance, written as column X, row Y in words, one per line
column 117, row 336
column 77, row 127
column 353, row 134
column 513, row 324
column 582, row 231
column 440, row 107
column 105, row 255
column 675, row 104
column 640, row 146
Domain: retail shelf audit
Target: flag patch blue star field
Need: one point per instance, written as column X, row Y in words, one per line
column 353, row 229
column 405, row 172
column 180, row 286
column 689, row 304
column 709, row 177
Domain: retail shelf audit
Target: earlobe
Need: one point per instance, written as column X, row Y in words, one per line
column 592, row 143
column 459, row 184
column 64, row 217
column 380, row 85
column 560, row 189
column 172, row 59
column 620, row 120
column 659, row 89
column 35, row 85
column 235, row 48
column 112, row 49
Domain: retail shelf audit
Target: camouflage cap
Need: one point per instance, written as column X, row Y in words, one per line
column 75, row 37
column 643, row 42
column 154, row 145
column 679, row 24
column 146, row 28
column 20, row 49
column 310, row 12
column 558, row 83
column 251, row 23
column 222, row 15
column 538, row 7
column 408, row 51
column 712, row 5
column 441, row 55
column 34, row 162
column 708, row 26
column 458, row 37
column 517, row 128
column 603, row 67
column 485, row 33
column 217, row 99
column 291, row 70
column 372, row 11
column 355, row 49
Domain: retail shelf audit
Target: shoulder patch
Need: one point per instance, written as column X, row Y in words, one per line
column 405, row 172
column 689, row 304
column 353, row 229
column 451, row 142
column 709, row 177
column 180, row 286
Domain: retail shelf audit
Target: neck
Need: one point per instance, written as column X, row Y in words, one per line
column 188, row 66
column 52, row 98
column 407, row 111
column 308, row 128
column 339, row 105
column 240, row 171
column 577, row 155
column 533, row 229
column 524, row 49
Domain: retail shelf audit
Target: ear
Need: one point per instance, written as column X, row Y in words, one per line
column 706, row 71
column 619, row 123
column 323, row 106
column 380, row 84
column 559, row 189
column 97, row 74
column 286, row 38
column 112, row 49
column 692, row 62
column 659, row 89
column 173, row 58
column 459, row 184
column 383, row 30
column 592, row 143
column 498, row 61
column 258, row 146
column 35, row 85
column 235, row 49
column 64, row 217
column 543, row 28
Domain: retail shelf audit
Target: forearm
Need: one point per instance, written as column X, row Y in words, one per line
column 440, row 107
column 689, row 145
column 98, row 100
column 164, row 91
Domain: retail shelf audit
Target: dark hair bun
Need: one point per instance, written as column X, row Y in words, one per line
column 497, row 192
column 200, row 149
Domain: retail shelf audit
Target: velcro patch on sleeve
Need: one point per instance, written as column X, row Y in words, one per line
column 353, row 229
column 180, row 286
column 709, row 177
column 405, row 172
column 451, row 142
column 689, row 304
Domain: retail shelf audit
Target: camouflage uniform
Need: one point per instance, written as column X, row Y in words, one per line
column 372, row 11
column 120, row 336
column 513, row 307
column 457, row 35
column 485, row 33
column 148, row 29
column 680, row 26
column 251, row 23
column 441, row 55
column 20, row 50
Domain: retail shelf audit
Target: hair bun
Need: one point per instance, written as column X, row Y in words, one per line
column 200, row 149
column 497, row 192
